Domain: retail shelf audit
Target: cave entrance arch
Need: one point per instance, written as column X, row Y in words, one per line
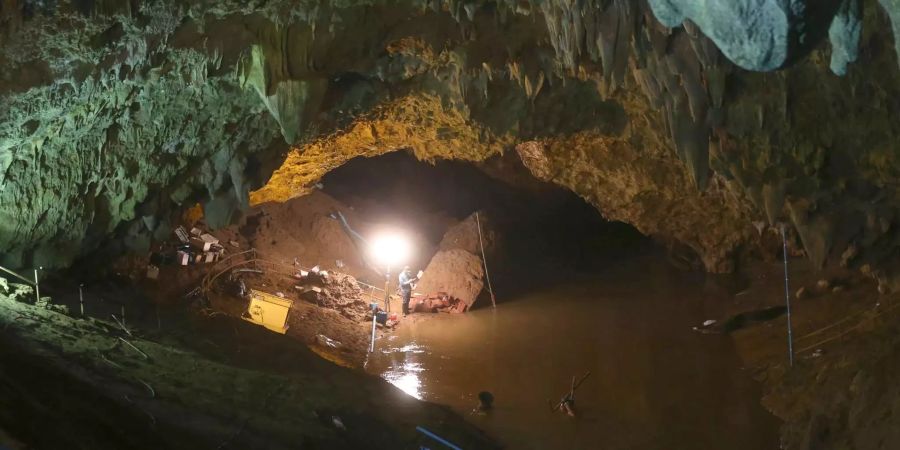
column 534, row 232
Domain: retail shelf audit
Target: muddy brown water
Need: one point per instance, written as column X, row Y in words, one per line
column 654, row 383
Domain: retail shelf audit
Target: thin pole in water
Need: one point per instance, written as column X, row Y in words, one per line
column 787, row 298
column 487, row 275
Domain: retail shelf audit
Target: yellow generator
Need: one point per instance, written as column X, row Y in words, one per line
column 269, row 311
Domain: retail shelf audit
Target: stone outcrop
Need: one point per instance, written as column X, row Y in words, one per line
column 455, row 272
column 457, row 269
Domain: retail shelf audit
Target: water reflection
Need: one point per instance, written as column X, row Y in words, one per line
column 654, row 383
column 406, row 378
column 404, row 371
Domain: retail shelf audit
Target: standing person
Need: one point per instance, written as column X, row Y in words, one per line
column 406, row 286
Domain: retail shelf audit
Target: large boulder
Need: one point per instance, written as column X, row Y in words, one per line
column 465, row 236
column 456, row 272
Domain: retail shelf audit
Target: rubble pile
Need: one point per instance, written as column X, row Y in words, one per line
column 337, row 291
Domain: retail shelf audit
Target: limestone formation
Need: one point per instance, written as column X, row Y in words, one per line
column 119, row 115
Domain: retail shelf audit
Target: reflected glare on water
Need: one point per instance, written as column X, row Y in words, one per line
column 406, row 378
column 405, row 374
column 654, row 383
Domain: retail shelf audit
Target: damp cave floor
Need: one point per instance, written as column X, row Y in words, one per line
column 200, row 382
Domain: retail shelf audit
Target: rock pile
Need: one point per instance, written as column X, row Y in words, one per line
column 337, row 291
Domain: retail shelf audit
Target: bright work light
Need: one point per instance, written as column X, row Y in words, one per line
column 390, row 248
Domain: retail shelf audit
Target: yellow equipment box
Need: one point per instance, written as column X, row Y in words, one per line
column 269, row 311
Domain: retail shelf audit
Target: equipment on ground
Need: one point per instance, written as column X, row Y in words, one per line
column 268, row 310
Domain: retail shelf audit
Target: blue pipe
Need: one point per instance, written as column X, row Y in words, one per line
column 353, row 234
column 437, row 438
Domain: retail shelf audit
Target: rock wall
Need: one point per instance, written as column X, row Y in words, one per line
column 108, row 122
column 122, row 112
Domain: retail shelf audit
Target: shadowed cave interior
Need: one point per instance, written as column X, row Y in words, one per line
column 687, row 209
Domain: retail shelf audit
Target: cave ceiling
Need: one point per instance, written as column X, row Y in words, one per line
column 703, row 123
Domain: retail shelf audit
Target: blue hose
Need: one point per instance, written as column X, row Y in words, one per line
column 437, row 438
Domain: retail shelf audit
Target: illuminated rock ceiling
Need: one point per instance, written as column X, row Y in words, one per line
column 700, row 122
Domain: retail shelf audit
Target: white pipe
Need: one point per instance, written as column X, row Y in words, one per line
column 16, row 275
column 37, row 287
column 374, row 316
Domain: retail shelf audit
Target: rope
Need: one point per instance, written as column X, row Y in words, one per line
column 847, row 331
column 484, row 260
column 839, row 322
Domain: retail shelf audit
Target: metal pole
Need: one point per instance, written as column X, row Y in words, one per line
column 487, row 275
column 81, row 299
column 37, row 287
column 372, row 342
column 387, row 292
column 787, row 298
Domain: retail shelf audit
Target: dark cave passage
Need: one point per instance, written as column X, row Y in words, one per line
column 545, row 232
column 577, row 294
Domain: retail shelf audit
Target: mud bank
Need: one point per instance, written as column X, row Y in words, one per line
column 841, row 391
column 207, row 382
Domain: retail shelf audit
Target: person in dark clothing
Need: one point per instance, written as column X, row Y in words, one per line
column 406, row 286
